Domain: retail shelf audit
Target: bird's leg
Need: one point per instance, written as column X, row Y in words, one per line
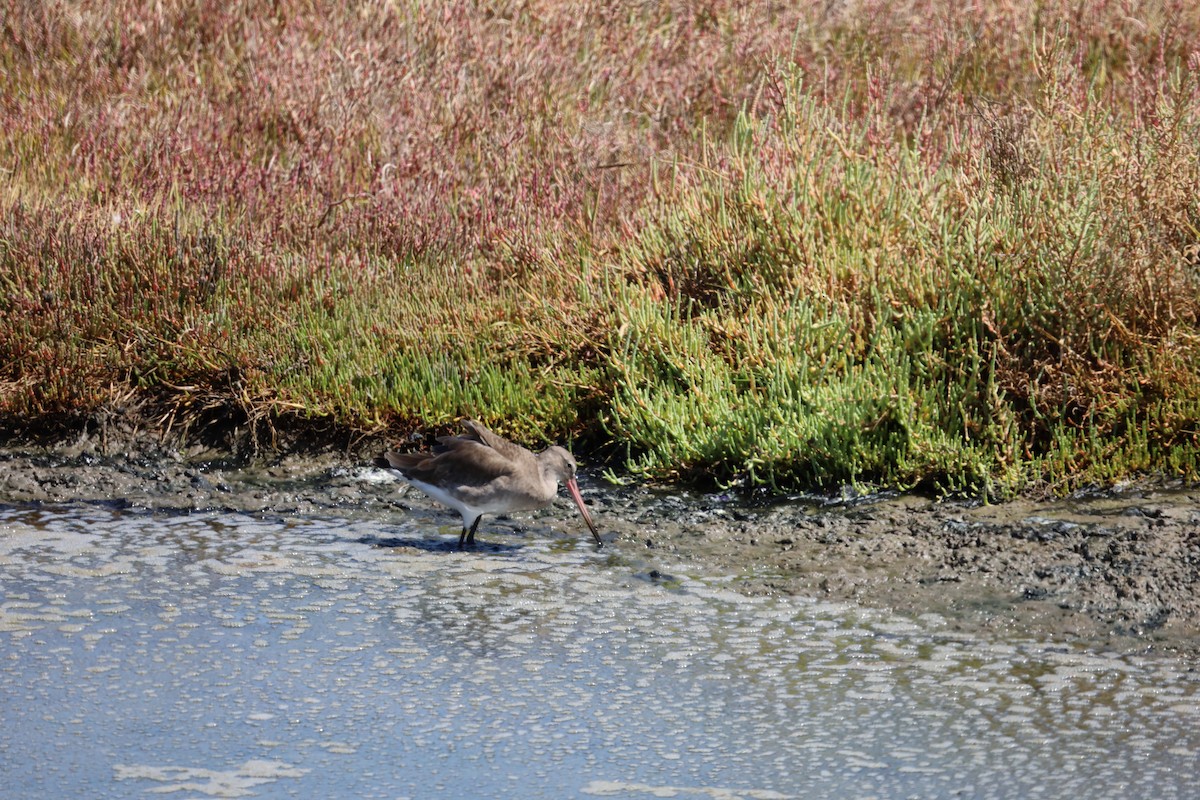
column 469, row 536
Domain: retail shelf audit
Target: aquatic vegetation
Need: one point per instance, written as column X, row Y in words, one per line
column 721, row 242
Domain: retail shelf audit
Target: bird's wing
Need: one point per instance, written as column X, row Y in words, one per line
column 479, row 468
column 478, row 433
column 457, row 462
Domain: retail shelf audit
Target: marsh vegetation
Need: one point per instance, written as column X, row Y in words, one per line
column 797, row 245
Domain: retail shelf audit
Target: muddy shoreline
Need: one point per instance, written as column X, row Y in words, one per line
column 1117, row 569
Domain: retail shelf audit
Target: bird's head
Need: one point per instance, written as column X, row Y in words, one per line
column 561, row 465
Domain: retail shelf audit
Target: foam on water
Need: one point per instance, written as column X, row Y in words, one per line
column 231, row 655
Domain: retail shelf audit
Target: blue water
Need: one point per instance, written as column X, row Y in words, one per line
column 225, row 655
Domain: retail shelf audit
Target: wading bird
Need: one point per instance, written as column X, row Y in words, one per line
column 480, row 472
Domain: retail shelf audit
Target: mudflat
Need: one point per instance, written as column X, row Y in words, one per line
column 1118, row 568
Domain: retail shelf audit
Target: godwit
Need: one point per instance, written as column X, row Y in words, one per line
column 481, row 472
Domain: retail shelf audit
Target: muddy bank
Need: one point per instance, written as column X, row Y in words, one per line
column 1119, row 569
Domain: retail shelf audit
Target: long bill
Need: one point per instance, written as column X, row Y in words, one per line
column 573, row 488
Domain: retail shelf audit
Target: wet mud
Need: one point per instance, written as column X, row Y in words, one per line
column 1115, row 569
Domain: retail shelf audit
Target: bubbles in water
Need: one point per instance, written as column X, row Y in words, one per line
column 345, row 658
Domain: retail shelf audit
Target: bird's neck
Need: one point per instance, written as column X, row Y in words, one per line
column 549, row 478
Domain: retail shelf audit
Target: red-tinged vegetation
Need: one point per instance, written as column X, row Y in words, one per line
column 584, row 217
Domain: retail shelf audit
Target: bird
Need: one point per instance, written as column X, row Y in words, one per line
column 480, row 472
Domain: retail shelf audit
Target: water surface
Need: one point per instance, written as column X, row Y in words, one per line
column 234, row 655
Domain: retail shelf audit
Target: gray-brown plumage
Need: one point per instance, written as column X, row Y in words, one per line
column 480, row 472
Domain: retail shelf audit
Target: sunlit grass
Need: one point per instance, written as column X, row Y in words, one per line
column 731, row 243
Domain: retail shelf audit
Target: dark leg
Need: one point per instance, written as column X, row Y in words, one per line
column 469, row 536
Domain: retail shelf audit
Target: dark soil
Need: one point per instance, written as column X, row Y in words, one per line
column 1121, row 567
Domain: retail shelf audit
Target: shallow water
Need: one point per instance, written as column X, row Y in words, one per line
column 233, row 655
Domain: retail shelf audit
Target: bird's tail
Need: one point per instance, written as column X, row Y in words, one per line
column 401, row 461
